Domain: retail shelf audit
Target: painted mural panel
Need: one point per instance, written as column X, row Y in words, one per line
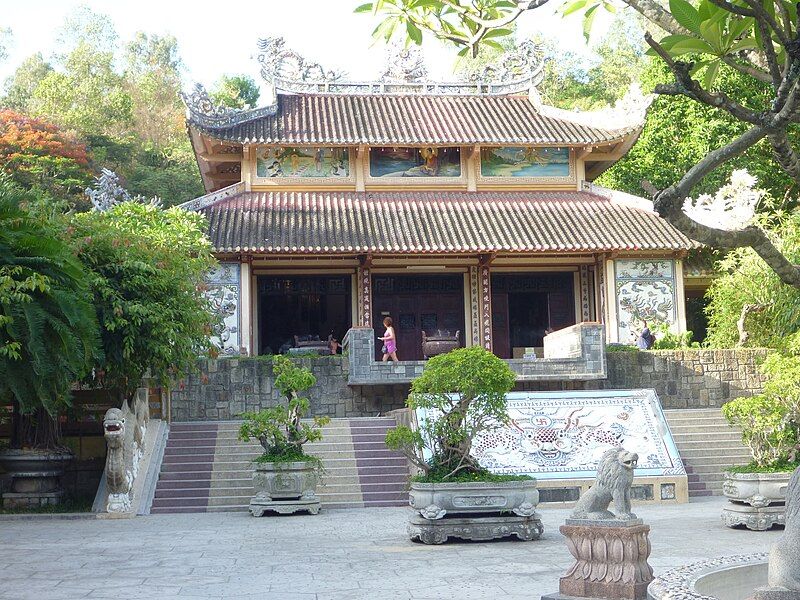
column 294, row 161
column 562, row 435
column 645, row 291
column 524, row 161
column 414, row 162
column 224, row 292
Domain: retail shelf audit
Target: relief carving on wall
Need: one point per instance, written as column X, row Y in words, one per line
column 645, row 290
column 224, row 292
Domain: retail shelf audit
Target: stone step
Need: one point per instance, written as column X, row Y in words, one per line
column 691, row 445
column 694, row 453
column 712, row 438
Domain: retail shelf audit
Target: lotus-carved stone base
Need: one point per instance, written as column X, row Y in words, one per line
column 756, row 519
column 610, row 562
column 438, row 531
column 283, row 507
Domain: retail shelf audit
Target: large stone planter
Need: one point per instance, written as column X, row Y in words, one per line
column 757, row 500
column 474, row 511
column 284, row 488
column 36, row 476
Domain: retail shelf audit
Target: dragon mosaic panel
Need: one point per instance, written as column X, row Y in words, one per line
column 224, row 292
column 645, row 291
column 563, row 435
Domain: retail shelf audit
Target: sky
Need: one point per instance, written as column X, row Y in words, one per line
column 220, row 37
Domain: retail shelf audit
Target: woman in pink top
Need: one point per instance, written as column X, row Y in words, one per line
column 389, row 341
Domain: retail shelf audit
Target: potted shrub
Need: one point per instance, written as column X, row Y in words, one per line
column 48, row 340
column 769, row 423
column 462, row 394
column 284, row 476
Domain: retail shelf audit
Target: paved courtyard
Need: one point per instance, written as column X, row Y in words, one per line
column 358, row 554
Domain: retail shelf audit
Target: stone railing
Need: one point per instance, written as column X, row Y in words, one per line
column 133, row 448
column 576, row 353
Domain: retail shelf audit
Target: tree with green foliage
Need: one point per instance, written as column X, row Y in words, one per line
column 679, row 132
column 85, row 93
column 464, row 394
column 146, row 267
column 236, row 91
column 758, row 39
column 747, row 289
column 20, row 87
column 48, row 330
column 770, row 421
column 280, row 429
column 568, row 84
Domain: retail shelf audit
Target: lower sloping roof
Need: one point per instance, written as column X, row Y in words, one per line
column 433, row 222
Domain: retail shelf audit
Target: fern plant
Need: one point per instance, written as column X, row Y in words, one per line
column 48, row 330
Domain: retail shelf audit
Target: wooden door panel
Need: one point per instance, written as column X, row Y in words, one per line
column 501, row 340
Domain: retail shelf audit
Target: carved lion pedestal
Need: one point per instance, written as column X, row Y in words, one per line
column 610, row 560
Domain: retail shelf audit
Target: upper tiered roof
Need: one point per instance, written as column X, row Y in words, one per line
column 337, row 119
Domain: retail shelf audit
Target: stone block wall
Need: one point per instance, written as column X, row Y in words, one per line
column 226, row 387
column 687, row 378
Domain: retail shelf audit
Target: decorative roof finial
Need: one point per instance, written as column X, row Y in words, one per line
column 404, row 64
column 201, row 110
column 287, row 70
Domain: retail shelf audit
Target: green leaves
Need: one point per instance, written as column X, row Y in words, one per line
column 463, row 393
column 686, row 15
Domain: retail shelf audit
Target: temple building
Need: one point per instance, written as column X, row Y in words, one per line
column 461, row 208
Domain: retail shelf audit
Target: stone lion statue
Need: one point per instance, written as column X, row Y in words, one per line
column 784, row 574
column 614, row 479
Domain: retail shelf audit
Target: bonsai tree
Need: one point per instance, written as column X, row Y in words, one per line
column 770, row 421
column 279, row 429
column 464, row 394
column 48, row 330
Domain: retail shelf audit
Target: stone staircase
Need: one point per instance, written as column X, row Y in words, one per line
column 206, row 469
column 707, row 445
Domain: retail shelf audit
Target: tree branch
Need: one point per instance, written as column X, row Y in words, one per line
column 749, row 70
column 654, row 12
column 785, row 154
column 685, row 85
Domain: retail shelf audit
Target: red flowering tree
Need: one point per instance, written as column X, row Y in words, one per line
column 36, row 153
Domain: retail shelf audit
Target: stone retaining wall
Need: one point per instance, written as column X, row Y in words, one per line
column 225, row 388
column 687, row 378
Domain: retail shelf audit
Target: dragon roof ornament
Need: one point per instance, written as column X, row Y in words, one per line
column 516, row 72
column 201, row 110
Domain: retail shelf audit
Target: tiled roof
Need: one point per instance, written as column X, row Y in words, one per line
column 433, row 222
column 410, row 119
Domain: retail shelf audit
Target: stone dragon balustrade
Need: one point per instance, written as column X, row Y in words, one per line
column 125, row 430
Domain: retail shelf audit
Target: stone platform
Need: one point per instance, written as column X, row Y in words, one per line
column 754, row 518
column 474, row 528
column 284, row 507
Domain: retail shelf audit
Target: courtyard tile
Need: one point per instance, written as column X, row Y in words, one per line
column 337, row 555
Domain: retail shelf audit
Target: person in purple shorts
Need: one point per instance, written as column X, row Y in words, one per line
column 389, row 341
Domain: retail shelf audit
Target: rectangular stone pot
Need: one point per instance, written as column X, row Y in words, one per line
column 756, row 500
column 756, row 489
column 474, row 511
column 435, row 500
column 285, row 487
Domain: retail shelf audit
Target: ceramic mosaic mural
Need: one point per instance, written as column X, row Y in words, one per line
column 645, row 291
column 524, row 161
column 562, row 435
column 224, row 292
column 415, row 162
column 295, row 161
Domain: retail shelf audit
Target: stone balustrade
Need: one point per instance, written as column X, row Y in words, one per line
column 575, row 353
